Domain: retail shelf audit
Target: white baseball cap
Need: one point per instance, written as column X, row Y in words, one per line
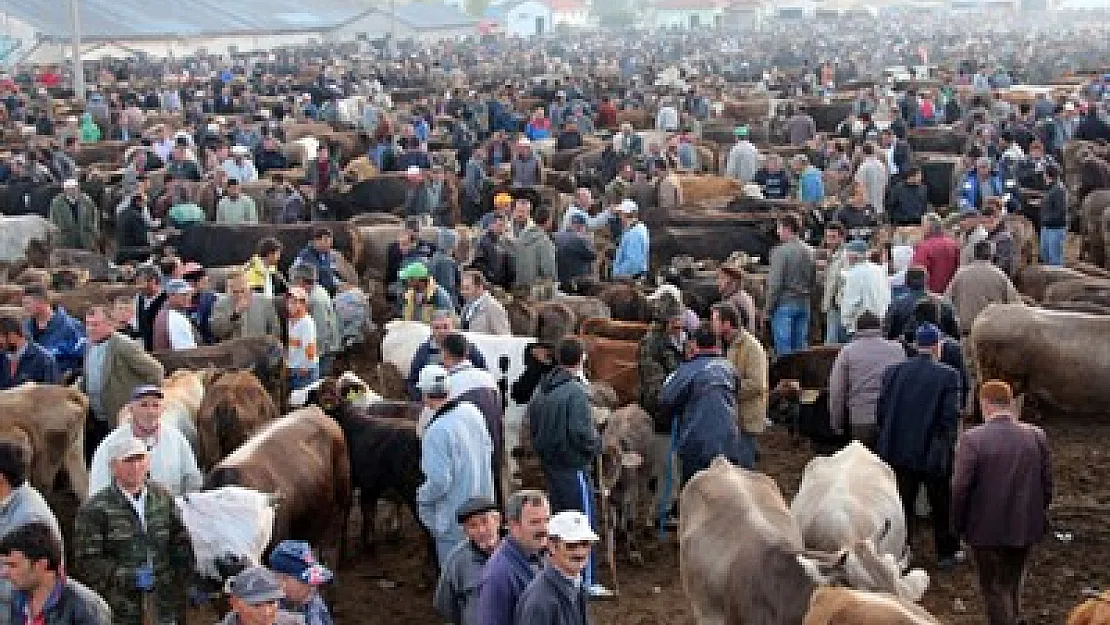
column 628, row 206
column 69, row 183
column 571, row 526
column 434, row 380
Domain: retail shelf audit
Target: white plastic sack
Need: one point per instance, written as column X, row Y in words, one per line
column 231, row 519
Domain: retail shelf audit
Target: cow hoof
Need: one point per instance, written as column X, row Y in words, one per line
column 636, row 558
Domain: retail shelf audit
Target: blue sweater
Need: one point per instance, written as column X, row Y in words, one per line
column 428, row 354
column 632, row 252
column 35, row 365
column 63, row 338
column 508, row 573
column 811, row 185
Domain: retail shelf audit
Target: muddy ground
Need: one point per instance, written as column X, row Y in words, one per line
column 388, row 586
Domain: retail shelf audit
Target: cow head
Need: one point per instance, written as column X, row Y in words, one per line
column 617, row 456
column 868, row 569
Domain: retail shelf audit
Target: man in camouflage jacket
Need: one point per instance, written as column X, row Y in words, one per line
column 118, row 554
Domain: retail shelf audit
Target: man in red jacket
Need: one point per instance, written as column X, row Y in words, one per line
column 1001, row 488
column 938, row 253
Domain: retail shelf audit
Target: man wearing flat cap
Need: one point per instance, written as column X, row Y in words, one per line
column 130, row 544
column 74, row 214
column 460, row 578
column 1001, row 489
column 254, row 595
column 301, row 575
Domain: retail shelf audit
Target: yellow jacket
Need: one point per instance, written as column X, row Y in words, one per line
column 750, row 360
column 259, row 275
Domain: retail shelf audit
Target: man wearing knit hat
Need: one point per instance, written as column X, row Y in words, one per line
column 1001, row 489
column 301, row 575
column 917, row 417
column 460, row 579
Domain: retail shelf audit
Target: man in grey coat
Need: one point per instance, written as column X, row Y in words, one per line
column 460, row 576
column 534, row 252
column 857, row 376
column 243, row 313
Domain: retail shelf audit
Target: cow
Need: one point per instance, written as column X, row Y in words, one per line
column 847, row 497
column 1084, row 290
column 617, row 330
column 615, row 363
column 1039, row 352
column 549, row 321
column 233, row 244
column 49, row 422
column 625, row 302
column 262, row 355
column 302, row 458
column 627, row 459
column 742, row 556
column 584, row 306
column 832, row 605
column 1092, row 208
column 1034, row 280
column 701, row 188
column 25, row 240
column 183, row 391
column 1093, row 611
column 235, row 406
column 805, row 413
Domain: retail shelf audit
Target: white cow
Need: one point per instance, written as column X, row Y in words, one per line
column 852, row 496
column 402, row 338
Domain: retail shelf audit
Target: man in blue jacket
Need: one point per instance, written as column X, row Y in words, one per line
column 917, row 417
column 430, row 352
column 319, row 254
column 702, row 392
column 23, row 361
column 811, row 183
column 514, row 564
column 631, row 260
column 51, row 327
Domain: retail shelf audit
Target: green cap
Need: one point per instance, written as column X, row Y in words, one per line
column 740, row 131
column 413, row 271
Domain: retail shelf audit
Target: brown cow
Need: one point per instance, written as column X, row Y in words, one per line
column 50, row 422
column 1084, row 290
column 1092, row 209
column 615, row 363
column 1049, row 356
column 1094, row 611
column 235, row 406
column 302, row 458
column 263, row 355
column 625, row 302
column 701, row 188
column 1034, row 280
column 617, row 330
column 627, row 460
column 832, row 605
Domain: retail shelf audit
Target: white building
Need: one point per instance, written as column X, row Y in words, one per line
column 690, row 14
column 571, row 13
column 523, row 18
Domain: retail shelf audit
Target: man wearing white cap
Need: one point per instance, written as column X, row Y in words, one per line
column 240, row 166
column 631, row 259
column 172, row 328
column 455, row 455
column 74, row 214
column 557, row 596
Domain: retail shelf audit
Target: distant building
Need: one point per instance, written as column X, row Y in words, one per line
column 522, row 18
column 571, row 13
column 692, row 14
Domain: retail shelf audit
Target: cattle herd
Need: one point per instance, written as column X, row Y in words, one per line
column 819, row 539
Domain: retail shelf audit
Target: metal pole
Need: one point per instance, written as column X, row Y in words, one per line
column 392, row 25
column 78, row 69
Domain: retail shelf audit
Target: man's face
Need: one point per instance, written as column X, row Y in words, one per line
column 833, row 239
column 442, row 327
column 258, row 614
column 71, row 191
column 130, row 472
column 983, row 169
column 296, row 591
column 146, row 411
column 914, row 178
column 497, row 226
column 570, row 557
column 21, row 571
column 98, row 326
column 33, row 305
column 469, row 290
column 531, row 530
column 482, row 529
column 522, row 210
column 148, row 285
column 584, row 198
column 296, row 307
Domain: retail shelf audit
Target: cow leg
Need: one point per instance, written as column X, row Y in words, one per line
column 75, row 467
column 368, row 504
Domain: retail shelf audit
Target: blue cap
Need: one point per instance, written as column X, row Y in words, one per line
column 177, row 286
column 578, row 219
column 256, row 585
column 857, row 246
column 296, row 559
column 928, row 335
column 146, row 390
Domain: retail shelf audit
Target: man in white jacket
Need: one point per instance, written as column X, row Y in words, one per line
column 172, row 463
column 743, row 158
column 866, row 287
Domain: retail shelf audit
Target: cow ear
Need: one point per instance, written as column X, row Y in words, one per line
column 631, row 460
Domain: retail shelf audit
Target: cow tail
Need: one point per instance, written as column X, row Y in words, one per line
column 341, row 469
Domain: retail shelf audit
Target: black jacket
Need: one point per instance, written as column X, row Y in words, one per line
column 1054, row 207
column 899, row 319
column 563, row 431
column 906, row 204
column 144, row 318
column 551, row 599
column 574, row 256
column 918, row 398
column 76, row 604
column 494, row 260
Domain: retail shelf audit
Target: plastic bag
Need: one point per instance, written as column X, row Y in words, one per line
column 231, row 519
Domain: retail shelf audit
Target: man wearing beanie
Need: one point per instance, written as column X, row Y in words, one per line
column 1001, row 488
column 300, row 575
column 917, row 418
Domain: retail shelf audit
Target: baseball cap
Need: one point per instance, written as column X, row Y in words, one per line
column 571, row 526
column 256, row 585
column 127, row 446
column 413, row 271
column 740, row 131
column 146, row 390
column 857, row 246
column 475, row 505
column 628, row 206
column 928, row 335
column 69, row 183
column 433, row 380
column 296, row 559
column 177, row 286
column 502, row 199
column 413, row 170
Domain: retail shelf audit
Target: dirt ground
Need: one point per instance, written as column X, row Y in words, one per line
column 388, row 586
